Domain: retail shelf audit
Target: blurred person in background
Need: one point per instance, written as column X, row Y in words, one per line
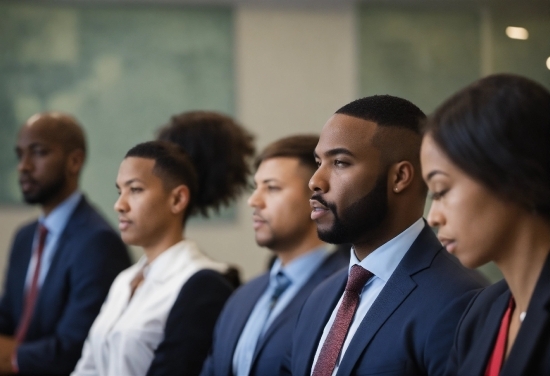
column 254, row 330
column 62, row 265
column 486, row 160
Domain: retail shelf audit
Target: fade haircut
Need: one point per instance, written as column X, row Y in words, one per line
column 300, row 147
column 399, row 127
column 220, row 150
column 172, row 166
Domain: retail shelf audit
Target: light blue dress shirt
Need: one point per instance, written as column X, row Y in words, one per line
column 298, row 271
column 382, row 262
column 55, row 222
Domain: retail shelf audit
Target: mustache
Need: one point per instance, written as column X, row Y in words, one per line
column 319, row 198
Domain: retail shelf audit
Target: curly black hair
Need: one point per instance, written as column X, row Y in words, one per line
column 221, row 151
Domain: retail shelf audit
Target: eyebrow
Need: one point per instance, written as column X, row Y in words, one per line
column 334, row 152
column 435, row 172
column 270, row 180
column 128, row 182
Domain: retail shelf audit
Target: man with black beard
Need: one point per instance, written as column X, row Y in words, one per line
column 395, row 309
column 62, row 265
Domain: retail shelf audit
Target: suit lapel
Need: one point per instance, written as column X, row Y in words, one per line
column 326, row 269
column 487, row 337
column 396, row 290
column 533, row 330
column 237, row 325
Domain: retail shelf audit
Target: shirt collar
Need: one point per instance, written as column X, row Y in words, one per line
column 383, row 261
column 56, row 221
column 294, row 270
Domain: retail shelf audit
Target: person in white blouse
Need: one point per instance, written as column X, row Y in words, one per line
column 165, row 306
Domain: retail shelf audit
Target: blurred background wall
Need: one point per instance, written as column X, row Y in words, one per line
column 280, row 67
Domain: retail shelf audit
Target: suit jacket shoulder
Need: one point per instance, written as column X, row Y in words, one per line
column 88, row 257
column 271, row 349
column 478, row 328
column 409, row 328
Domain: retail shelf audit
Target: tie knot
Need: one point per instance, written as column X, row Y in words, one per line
column 358, row 276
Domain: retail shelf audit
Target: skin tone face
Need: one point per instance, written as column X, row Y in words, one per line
column 150, row 215
column 281, row 216
column 48, row 174
column 474, row 223
column 349, row 172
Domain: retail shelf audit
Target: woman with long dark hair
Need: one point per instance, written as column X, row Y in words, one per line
column 486, row 159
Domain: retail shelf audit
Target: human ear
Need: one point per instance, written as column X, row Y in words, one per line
column 75, row 161
column 180, row 196
column 401, row 175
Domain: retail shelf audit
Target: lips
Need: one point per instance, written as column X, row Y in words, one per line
column 317, row 208
column 449, row 244
column 257, row 221
column 123, row 223
column 27, row 184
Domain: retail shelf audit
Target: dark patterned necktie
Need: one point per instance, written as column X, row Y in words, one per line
column 330, row 351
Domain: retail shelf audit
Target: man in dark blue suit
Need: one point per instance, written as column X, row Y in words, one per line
column 255, row 328
column 62, row 265
column 404, row 293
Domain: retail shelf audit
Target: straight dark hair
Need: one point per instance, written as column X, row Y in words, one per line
column 300, row 147
column 497, row 130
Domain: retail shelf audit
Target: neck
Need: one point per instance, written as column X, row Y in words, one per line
column 306, row 245
column 152, row 251
column 55, row 201
column 523, row 257
column 381, row 235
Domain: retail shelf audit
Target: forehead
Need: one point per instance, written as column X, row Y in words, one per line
column 38, row 133
column 282, row 169
column 136, row 168
column 433, row 158
column 349, row 133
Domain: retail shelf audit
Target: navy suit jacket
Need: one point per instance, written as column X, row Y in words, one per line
column 190, row 325
column 272, row 348
column 409, row 328
column 89, row 255
column 478, row 329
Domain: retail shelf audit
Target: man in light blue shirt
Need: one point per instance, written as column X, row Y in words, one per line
column 395, row 310
column 254, row 330
column 62, row 265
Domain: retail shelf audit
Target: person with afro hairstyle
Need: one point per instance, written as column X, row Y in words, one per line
column 485, row 157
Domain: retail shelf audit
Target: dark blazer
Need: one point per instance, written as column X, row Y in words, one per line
column 478, row 329
column 409, row 328
column 89, row 255
column 190, row 324
column 272, row 347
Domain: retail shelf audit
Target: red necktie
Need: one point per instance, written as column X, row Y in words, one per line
column 32, row 293
column 497, row 357
column 328, row 356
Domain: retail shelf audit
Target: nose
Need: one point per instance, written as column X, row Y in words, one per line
column 24, row 164
column 318, row 182
column 121, row 204
column 255, row 200
column 435, row 215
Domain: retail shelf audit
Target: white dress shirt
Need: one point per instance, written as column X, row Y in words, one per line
column 382, row 262
column 126, row 333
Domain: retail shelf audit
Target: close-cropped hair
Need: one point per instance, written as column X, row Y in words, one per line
column 221, row 151
column 497, row 130
column 172, row 166
column 300, row 147
column 386, row 111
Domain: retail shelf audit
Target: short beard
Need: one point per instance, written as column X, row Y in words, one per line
column 46, row 193
column 362, row 217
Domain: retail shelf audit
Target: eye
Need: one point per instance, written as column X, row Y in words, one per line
column 273, row 188
column 340, row 163
column 136, row 189
column 438, row 195
column 318, row 163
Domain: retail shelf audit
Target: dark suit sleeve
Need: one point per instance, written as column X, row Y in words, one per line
column 442, row 334
column 190, row 324
column 96, row 259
